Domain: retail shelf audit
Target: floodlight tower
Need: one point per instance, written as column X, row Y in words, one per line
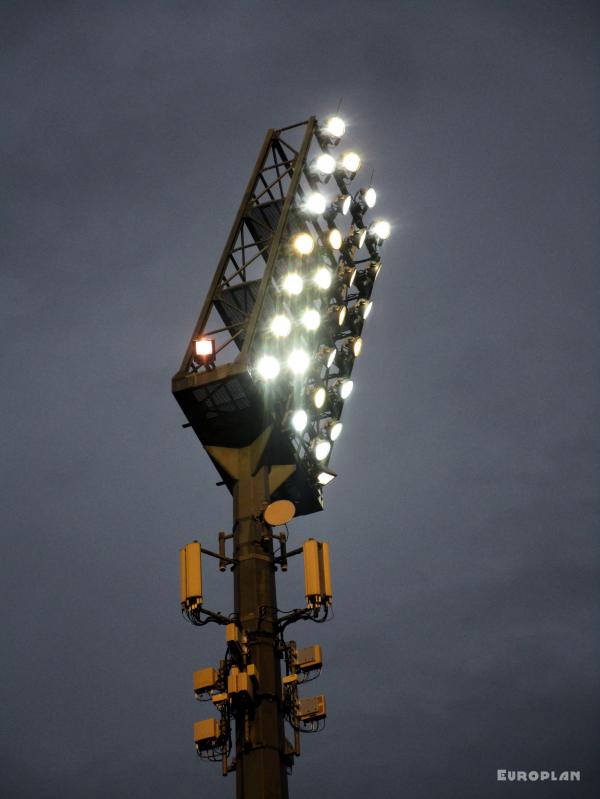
column 262, row 384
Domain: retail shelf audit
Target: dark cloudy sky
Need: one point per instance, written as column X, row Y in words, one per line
column 464, row 522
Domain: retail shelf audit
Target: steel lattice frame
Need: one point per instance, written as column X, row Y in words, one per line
column 225, row 401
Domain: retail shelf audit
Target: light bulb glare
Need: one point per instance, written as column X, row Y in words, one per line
column 324, row 478
column 335, row 239
column 319, row 397
column 268, row 367
column 299, row 420
column 335, row 430
column 335, row 127
column 325, row 164
column 298, row 361
column 204, row 347
column 346, row 389
column 280, row 326
column 315, row 203
column 321, row 448
column 382, row 229
column 370, row 196
column 303, row 243
column 351, row 162
column 322, row 277
column 293, row 283
column 311, row 319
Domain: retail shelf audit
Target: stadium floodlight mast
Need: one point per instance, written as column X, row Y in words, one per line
column 263, row 384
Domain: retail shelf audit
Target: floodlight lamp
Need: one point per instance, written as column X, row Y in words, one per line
column 204, row 349
column 341, row 205
column 331, row 131
column 360, row 312
column 337, row 315
column 365, row 278
column 351, row 162
column 340, row 292
column 335, row 239
column 324, row 164
column 377, row 233
column 323, row 278
column 334, row 429
column 380, row 229
column 298, row 361
column 373, row 246
column 321, row 448
column 349, row 353
column 268, row 367
column 355, row 344
column 346, row 389
column 335, row 127
column 280, row 326
column 315, row 203
column 311, row 319
column 370, row 196
column 343, row 388
column 363, row 200
column 324, row 477
column 356, row 238
column 326, row 355
column 299, row 420
column 374, row 267
column 319, row 396
column 347, row 275
column 303, row 243
column 364, row 307
column 292, row 283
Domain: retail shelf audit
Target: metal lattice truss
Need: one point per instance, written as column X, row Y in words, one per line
column 251, row 249
column 224, row 397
